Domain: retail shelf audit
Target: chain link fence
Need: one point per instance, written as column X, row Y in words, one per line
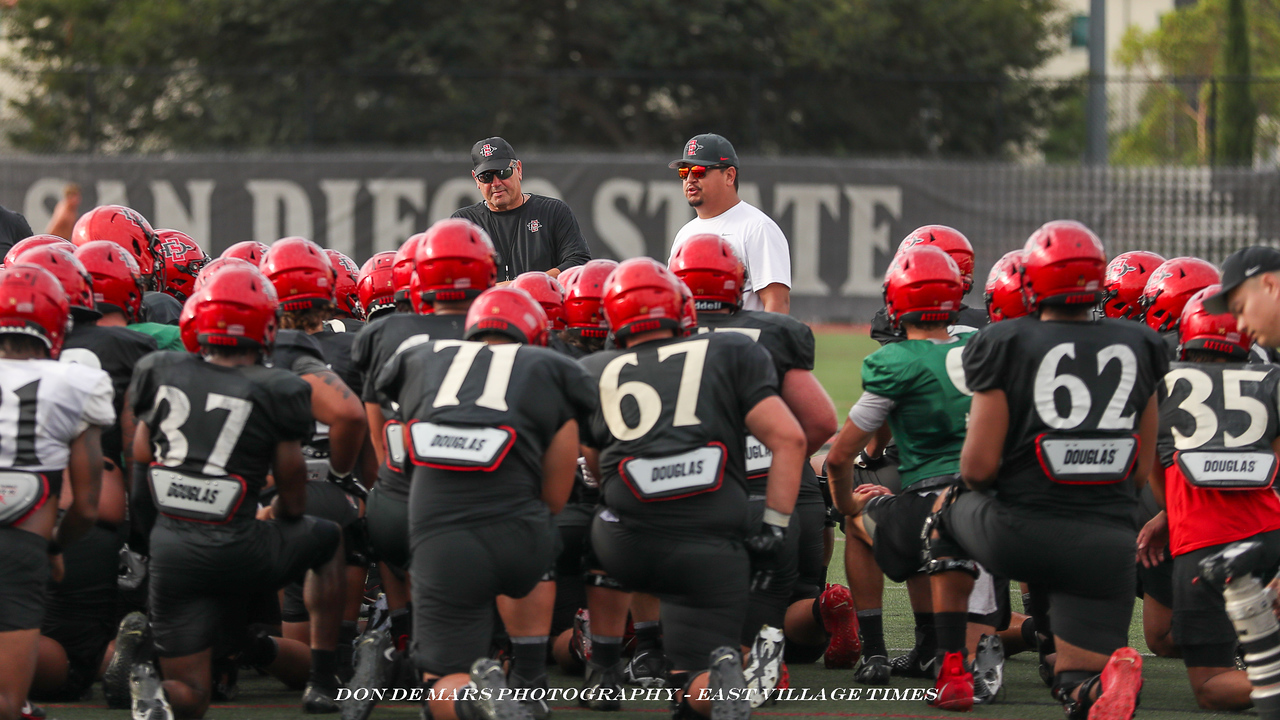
column 1151, row 121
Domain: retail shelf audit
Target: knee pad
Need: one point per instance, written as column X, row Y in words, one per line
column 355, row 543
column 603, row 581
column 1065, row 682
column 941, row 546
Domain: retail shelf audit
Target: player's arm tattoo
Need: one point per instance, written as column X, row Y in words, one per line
column 331, row 379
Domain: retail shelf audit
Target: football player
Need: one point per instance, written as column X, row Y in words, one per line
column 915, row 387
column 1219, row 431
column 375, row 286
column 212, row 424
column 183, row 259
column 819, row 619
column 304, row 277
column 127, row 228
column 1062, row 425
column 35, row 241
column 955, row 244
column 403, row 269
column 57, row 415
column 1003, row 291
column 250, row 251
column 454, row 263
column 1126, row 278
column 346, row 297
column 118, row 293
column 1167, row 291
column 488, row 464
column 81, row 608
column 674, row 482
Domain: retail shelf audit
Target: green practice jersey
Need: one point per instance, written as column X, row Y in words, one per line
column 925, row 381
column 168, row 337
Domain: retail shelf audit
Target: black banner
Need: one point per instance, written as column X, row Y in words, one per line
column 843, row 218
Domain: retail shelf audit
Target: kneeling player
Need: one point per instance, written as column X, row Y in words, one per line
column 212, row 426
column 674, row 483
column 1218, row 435
column 491, row 466
column 1062, row 424
column 916, row 387
column 58, row 412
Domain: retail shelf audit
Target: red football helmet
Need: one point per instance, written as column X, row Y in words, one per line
column 214, row 267
column 249, row 251
column 922, row 284
column 713, row 271
column 688, row 309
column 641, row 295
column 1063, row 263
column 568, row 277
column 183, row 259
column 1169, row 288
column 455, row 261
column 1127, row 275
column 402, row 270
column 544, row 288
column 1199, row 330
column 582, row 307
column 420, row 304
column 35, row 241
column 1003, row 291
column 300, row 272
column 127, row 228
column 949, row 239
column 33, row 303
column 117, row 283
column 510, row 312
column 236, row 307
column 70, row 272
column 376, row 288
column 344, row 290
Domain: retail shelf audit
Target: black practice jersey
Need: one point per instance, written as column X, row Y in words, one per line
column 968, row 320
column 1076, row 391
column 377, row 343
column 214, row 431
column 1217, row 421
column 669, row 429
column 116, row 351
column 539, row 235
column 478, row 420
column 336, row 346
column 790, row 344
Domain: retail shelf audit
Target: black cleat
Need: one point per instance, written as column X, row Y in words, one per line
column 728, row 686
column 146, row 695
column 872, row 670
column 319, row 701
column 226, row 676
column 912, row 665
column 1236, row 560
column 601, row 688
column 133, row 645
column 496, row 703
column 374, row 654
column 648, row 669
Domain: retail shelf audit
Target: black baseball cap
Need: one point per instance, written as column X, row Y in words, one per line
column 1242, row 265
column 707, row 150
column 491, row 154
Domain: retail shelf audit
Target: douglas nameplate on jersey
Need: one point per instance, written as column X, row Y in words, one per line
column 1086, row 460
column 676, row 476
column 453, row 447
column 1228, row 470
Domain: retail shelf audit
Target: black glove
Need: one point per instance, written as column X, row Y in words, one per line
column 348, row 483
column 871, row 464
column 764, row 548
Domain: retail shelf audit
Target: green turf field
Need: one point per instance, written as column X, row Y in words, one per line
column 1166, row 695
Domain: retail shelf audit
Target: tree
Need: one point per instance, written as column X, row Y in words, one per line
column 821, row 76
column 1177, row 60
column 1237, row 114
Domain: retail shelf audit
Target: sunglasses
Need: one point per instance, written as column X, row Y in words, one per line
column 697, row 171
column 487, row 176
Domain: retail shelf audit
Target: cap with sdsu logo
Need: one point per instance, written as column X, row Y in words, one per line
column 707, row 150
column 491, row 154
column 1242, row 265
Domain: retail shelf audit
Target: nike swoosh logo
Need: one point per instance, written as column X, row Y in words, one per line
column 1252, row 270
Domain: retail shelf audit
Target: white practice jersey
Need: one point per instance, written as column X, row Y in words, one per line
column 44, row 406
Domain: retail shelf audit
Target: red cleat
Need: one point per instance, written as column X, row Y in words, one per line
column 840, row 620
column 955, row 685
column 1121, row 683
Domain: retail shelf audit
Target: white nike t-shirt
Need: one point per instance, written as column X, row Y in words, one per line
column 758, row 241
